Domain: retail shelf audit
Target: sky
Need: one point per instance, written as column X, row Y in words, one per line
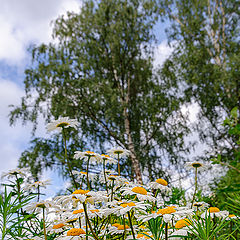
column 23, row 23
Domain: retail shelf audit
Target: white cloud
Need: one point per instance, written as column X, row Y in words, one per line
column 12, row 138
column 15, row 139
column 27, row 21
column 161, row 53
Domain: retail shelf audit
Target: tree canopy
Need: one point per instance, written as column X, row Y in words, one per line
column 100, row 71
column 206, row 60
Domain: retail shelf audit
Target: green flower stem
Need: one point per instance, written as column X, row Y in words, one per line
column 130, row 222
column 38, row 193
column 102, row 226
column 86, row 228
column 79, row 220
column 88, row 183
column 66, row 158
column 112, row 190
column 44, row 225
column 124, row 224
column 119, row 171
column 105, row 177
column 19, row 197
column 156, row 193
column 88, row 222
column 81, row 184
column 231, row 226
column 166, row 231
column 196, row 185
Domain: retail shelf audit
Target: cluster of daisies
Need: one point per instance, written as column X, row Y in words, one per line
column 121, row 210
column 125, row 210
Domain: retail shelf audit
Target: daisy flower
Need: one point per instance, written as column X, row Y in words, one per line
column 92, row 213
column 201, row 205
column 92, row 157
column 56, row 228
column 160, row 184
column 128, row 206
column 169, row 213
column 141, row 236
column 199, row 165
column 118, row 229
column 31, row 238
column 215, row 212
column 118, row 180
column 22, row 172
column 60, row 123
column 39, row 206
column 231, row 216
column 80, row 194
column 82, row 174
column 144, row 217
column 177, row 233
column 182, row 223
column 108, row 211
column 78, row 212
column 120, row 208
column 183, row 212
column 77, row 196
column 108, row 159
column 98, row 197
column 118, row 152
column 37, row 184
column 141, row 193
column 73, row 215
column 74, row 234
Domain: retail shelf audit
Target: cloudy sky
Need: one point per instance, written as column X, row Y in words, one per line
column 25, row 22
column 22, row 22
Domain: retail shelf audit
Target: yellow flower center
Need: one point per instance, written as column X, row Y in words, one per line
column 112, row 177
column 231, row 215
column 116, row 224
column 141, row 235
column 41, row 205
column 105, row 156
column 80, row 191
column 198, row 204
column 162, row 182
column 130, row 204
column 89, row 153
column 75, row 232
column 62, row 124
column 167, row 210
column 213, row 210
column 78, row 211
column 197, row 165
column 72, row 220
column 83, row 173
column 57, row 226
column 140, row 190
column 182, row 223
column 94, row 210
column 121, row 227
column 118, row 151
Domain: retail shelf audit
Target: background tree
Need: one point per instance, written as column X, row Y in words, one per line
column 206, row 62
column 100, row 71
